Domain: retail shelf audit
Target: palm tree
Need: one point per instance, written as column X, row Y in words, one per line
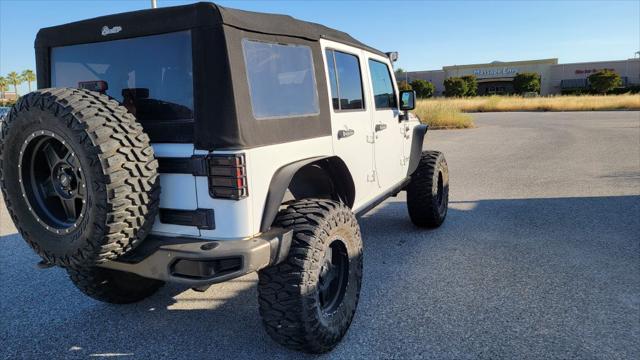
column 28, row 76
column 3, row 86
column 14, row 79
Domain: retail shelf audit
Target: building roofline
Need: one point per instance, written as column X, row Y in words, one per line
column 423, row 71
column 550, row 61
column 600, row 61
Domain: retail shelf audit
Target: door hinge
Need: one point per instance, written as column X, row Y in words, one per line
column 404, row 160
column 371, row 177
column 196, row 165
column 371, row 138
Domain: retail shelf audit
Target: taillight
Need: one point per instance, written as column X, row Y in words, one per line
column 228, row 176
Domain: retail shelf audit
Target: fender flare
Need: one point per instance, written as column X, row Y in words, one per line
column 417, row 142
column 277, row 188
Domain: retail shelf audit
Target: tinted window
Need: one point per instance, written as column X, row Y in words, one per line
column 281, row 79
column 347, row 95
column 152, row 75
column 333, row 82
column 383, row 93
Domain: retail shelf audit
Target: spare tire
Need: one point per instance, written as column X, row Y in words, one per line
column 78, row 176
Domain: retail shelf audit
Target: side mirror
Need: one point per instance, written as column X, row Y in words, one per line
column 407, row 100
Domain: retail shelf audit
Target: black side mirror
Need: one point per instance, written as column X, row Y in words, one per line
column 407, row 100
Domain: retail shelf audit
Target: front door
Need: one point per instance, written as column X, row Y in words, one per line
column 350, row 118
column 388, row 130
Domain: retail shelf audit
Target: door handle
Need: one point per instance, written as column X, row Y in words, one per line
column 345, row 133
column 380, row 127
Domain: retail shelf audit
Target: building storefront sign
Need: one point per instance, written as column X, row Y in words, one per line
column 495, row 71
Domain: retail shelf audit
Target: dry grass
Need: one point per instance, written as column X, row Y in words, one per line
column 447, row 113
column 552, row 103
column 440, row 115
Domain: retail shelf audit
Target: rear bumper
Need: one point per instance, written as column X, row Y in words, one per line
column 198, row 262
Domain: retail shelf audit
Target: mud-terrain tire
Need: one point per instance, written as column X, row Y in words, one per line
column 428, row 191
column 112, row 286
column 308, row 301
column 78, row 176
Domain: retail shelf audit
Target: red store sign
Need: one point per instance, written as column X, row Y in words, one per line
column 590, row 71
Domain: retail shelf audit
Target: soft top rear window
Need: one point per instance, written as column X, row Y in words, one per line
column 281, row 79
column 152, row 76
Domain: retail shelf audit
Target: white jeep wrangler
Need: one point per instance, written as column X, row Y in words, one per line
column 195, row 144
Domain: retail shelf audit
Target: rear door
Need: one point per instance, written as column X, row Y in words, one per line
column 388, row 131
column 350, row 118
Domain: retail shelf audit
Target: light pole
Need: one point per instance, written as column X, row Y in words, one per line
column 154, row 4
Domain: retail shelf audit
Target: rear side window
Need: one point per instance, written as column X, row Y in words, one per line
column 383, row 93
column 151, row 76
column 281, row 80
column 345, row 80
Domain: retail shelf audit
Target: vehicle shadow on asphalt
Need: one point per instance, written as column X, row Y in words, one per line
column 498, row 279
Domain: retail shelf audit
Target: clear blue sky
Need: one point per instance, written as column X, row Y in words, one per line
column 428, row 34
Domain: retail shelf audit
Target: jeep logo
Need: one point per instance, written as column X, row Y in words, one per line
column 114, row 30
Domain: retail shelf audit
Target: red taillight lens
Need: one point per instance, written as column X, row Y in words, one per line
column 228, row 176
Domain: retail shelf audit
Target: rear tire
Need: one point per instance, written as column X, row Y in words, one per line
column 428, row 191
column 112, row 286
column 78, row 176
column 308, row 301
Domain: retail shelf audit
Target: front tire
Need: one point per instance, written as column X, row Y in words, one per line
column 428, row 191
column 308, row 301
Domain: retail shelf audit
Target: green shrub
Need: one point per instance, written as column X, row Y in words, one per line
column 472, row 85
column 604, row 81
column 455, row 87
column 423, row 88
column 403, row 85
column 576, row 91
column 526, row 82
column 633, row 89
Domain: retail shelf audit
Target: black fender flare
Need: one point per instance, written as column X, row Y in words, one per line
column 343, row 188
column 277, row 188
column 417, row 143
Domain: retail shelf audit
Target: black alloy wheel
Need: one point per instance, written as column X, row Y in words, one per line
column 52, row 181
column 440, row 189
column 333, row 278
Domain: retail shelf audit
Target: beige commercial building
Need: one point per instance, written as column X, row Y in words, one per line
column 497, row 77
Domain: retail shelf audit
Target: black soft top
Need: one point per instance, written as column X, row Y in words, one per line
column 222, row 108
column 201, row 14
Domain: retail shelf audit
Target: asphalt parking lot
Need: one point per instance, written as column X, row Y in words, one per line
column 539, row 258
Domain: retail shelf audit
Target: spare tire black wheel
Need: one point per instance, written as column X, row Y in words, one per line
column 78, row 176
